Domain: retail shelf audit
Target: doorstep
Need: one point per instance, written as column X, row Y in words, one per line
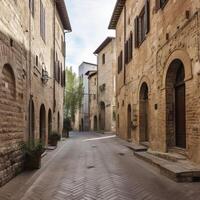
column 133, row 146
column 179, row 170
column 50, row 148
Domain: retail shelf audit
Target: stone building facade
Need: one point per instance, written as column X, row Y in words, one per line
column 93, row 104
column 106, row 73
column 158, row 74
column 31, row 95
column 82, row 115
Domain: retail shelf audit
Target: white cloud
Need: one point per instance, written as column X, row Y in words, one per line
column 89, row 20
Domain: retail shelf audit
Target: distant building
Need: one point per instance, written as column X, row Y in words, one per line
column 83, row 113
column 93, row 103
column 158, row 82
column 106, row 72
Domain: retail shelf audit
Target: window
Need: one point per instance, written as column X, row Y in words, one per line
column 36, row 60
column 129, row 49
column 103, row 59
column 160, row 4
column 42, row 20
column 95, row 81
column 126, row 52
column 142, row 25
column 120, row 62
column 32, row 7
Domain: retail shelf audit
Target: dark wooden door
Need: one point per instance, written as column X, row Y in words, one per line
column 129, row 122
column 180, row 116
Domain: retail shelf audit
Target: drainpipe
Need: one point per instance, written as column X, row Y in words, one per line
column 124, row 44
column 54, row 52
column 30, row 96
column 65, row 32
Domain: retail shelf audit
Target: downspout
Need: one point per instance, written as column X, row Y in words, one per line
column 54, row 52
column 29, row 99
column 124, row 44
column 65, row 32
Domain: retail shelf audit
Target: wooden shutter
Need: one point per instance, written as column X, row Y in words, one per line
column 136, row 32
column 147, row 17
column 58, row 72
column 121, row 60
column 41, row 10
column 33, row 8
column 158, row 5
column 118, row 64
column 55, row 69
column 44, row 24
column 64, row 79
column 126, row 52
column 130, row 46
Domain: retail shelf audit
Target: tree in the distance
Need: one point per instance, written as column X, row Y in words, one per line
column 73, row 97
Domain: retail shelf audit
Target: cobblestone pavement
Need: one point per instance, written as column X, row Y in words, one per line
column 90, row 167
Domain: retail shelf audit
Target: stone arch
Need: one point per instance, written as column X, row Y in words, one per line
column 144, row 113
column 42, row 123
column 129, row 122
column 8, row 86
column 185, row 59
column 146, row 80
column 175, row 104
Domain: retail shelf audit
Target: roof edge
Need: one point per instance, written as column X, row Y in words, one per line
column 116, row 13
column 64, row 17
column 103, row 45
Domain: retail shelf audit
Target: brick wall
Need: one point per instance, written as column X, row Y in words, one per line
column 171, row 37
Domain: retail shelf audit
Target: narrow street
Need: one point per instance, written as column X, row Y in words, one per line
column 95, row 166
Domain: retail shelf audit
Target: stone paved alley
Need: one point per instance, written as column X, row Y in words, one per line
column 91, row 167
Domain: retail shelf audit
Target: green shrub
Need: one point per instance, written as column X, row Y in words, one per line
column 33, row 148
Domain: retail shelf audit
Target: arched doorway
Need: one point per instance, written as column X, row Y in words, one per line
column 82, row 124
column 49, row 122
column 31, row 120
column 175, row 105
column 42, row 123
column 143, row 113
column 102, row 115
column 95, row 123
column 9, row 123
column 58, row 125
column 129, row 122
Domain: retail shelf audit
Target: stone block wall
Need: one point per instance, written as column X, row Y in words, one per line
column 23, row 57
column 170, row 37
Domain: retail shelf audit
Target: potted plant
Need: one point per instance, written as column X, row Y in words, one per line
column 54, row 138
column 32, row 153
column 67, row 127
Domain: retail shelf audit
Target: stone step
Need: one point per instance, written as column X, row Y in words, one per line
column 50, row 148
column 180, row 171
column 136, row 147
column 174, row 157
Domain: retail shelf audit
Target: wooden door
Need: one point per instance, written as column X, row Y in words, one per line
column 180, row 116
column 129, row 122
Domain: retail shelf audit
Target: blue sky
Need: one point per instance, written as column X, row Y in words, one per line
column 89, row 20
